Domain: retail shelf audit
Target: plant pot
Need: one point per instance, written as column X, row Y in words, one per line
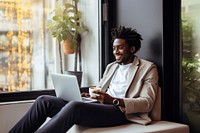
column 78, row 75
column 67, row 47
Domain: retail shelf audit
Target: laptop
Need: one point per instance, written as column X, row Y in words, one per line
column 67, row 88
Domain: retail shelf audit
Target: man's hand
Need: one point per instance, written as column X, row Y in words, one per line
column 84, row 94
column 103, row 97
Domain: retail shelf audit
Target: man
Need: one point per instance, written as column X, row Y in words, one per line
column 128, row 91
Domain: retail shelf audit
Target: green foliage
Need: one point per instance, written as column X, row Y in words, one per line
column 187, row 29
column 190, row 62
column 66, row 23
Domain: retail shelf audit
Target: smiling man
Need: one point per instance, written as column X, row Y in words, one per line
column 128, row 92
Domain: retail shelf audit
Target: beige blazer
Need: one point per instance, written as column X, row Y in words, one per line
column 142, row 88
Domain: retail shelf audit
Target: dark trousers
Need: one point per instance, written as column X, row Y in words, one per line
column 65, row 114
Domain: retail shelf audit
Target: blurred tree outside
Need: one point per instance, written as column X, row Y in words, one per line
column 190, row 73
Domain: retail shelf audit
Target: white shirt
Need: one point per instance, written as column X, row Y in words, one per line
column 118, row 84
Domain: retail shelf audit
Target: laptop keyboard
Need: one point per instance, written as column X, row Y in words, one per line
column 87, row 99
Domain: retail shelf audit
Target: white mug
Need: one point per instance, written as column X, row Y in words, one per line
column 92, row 91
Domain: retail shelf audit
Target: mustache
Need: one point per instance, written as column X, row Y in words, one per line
column 117, row 54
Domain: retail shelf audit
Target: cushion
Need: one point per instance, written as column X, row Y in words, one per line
column 154, row 127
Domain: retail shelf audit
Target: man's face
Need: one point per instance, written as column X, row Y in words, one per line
column 122, row 52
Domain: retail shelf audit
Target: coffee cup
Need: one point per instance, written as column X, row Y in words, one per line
column 93, row 91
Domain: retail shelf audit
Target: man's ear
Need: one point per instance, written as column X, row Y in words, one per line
column 133, row 49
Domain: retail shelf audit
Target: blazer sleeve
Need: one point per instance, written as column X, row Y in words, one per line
column 146, row 85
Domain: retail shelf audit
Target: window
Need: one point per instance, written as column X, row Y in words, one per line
column 29, row 54
column 23, row 39
column 191, row 63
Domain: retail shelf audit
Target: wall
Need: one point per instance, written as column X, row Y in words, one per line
column 11, row 112
column 150, row 17
column 147, row 17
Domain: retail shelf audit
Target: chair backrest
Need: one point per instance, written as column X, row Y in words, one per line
column 155, row 114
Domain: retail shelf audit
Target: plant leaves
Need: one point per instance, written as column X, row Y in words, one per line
column 56, row 18
column 68, row 5
column 64, row 35
column 66, row 23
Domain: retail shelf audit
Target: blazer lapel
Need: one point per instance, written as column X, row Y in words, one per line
column 108, row 78
column 131, row 74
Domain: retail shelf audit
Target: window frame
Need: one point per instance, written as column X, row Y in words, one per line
column 30, row 95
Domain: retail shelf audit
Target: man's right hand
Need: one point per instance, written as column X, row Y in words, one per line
column 84, row 94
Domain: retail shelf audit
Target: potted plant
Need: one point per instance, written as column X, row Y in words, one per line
column 66, row 26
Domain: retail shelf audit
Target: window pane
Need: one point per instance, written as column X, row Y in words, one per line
column 28, row 52
column 191, row 63
column 24, row 57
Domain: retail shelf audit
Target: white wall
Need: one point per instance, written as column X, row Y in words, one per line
column 11, row 112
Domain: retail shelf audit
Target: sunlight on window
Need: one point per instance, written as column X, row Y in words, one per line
column 22, row 45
